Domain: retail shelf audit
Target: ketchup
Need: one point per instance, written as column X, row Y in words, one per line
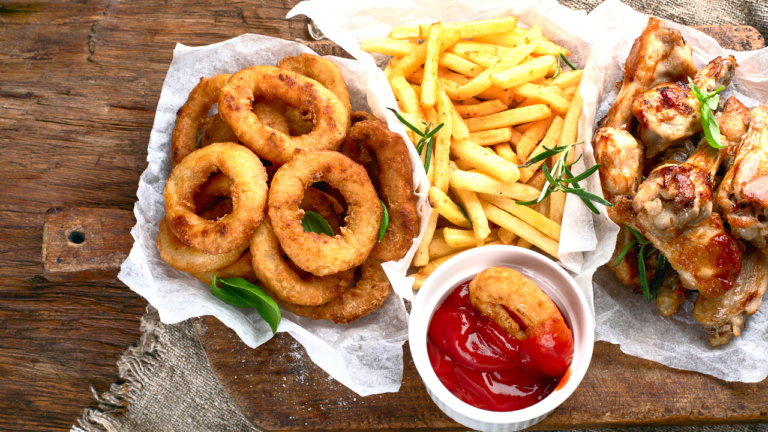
column 482, row 365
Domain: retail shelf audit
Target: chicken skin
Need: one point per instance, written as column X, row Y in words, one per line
column 669, row 113
column 621, row 161
column 743, row 194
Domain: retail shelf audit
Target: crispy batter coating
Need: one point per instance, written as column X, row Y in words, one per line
column 248, row 192
column 330, row 115
column 395, row 184
column 242, row 268
column 191, row 116
column 320, row 254
column 188, row 259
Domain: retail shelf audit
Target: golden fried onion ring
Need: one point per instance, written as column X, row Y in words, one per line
column 248, row 192
column 242, row 268
column 320, row 254
column 278, row 276
column 216, row 130
column 191, row 116
column 188, row 259
column 330, row 115
column 395, row 184
column 366, row 296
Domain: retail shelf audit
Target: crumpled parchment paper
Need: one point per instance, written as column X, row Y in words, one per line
column 366, row 355
column 600, row 43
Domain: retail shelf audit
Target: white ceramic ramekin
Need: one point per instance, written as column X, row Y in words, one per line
column 554, row 281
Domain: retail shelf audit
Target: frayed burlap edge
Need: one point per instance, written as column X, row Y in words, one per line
column 134, row 367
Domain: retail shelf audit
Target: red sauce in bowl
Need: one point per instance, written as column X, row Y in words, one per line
column 486, row 368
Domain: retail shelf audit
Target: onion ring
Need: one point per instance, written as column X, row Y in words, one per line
column 497, row 290
column 324, row 205
column 320, row 254
column 242, row 268
column 188, row 259
column 330, row 115
column 287, row 285
column 395, row 184
column 366, row 296
column 358, row 116
column 214, row 189
column 216, row 130
column 191, row 116
column 271, row 113
column 248, row 192
column 322, row 71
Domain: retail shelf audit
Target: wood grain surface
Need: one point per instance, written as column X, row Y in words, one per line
column 79, row 83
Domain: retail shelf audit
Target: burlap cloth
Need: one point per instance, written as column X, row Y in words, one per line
column 167, row 384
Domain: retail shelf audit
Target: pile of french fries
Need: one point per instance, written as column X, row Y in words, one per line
column 501, row 95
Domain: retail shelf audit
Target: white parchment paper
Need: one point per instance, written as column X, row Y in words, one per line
column 366, row 355
column 600, row 43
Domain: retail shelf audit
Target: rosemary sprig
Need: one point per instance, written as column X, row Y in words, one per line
column 559, row 68
column 556, row 180
column 427, row 137
column 709, row 101
column 651, row 292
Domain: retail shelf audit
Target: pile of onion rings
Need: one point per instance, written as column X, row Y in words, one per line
column 246, row 179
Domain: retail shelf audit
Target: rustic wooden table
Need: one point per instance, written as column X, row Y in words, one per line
column 79, row 82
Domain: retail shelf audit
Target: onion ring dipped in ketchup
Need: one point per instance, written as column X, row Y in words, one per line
column 499, row 343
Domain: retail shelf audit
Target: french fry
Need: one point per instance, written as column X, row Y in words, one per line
column 440, row 248
column 471, row 29
column 510, row 117
column 458, row 127
column 526, row 214
column 411, row 62
column 387, row 46
column 515, row 136
column 479, row 182
column 407, row 96
column 463, row 165
column 569, row 135
column 447, row 208
column 482, row 58
column 523, row 73
column 481, row 109
column 569, row 92
column 443, row 142
column 567, row 79
column 421, row 257
column 460, row 65
column 523, row 243
column 470, row 101
column 505, row 151
column 464, row 238
column 476, row 214
column 549, row 141
column 506, row 236
column 491, row 136
column 532, row 136
column 511, row 58
column 408, row 31
column 486, row 160
column 439, row 39
column 537, row 180
column 511, row 39
column 390, row 65
column 522, row 229
column 505, row 96
column 544, row 94
column 463, row 47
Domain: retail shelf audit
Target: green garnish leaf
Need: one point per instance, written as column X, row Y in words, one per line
column 464, row 212
column 314, row 223
column 240, row 293
column 384, row 221
column 560, row 177
column 565, row 59
column 625, row 251
column 649, row 292
column 658, row 278
column 709, row 101
column 641, row 272
column 557, row 72
column 427, row 137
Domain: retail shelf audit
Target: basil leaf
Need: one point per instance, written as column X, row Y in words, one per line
column 226, row 296
column 314, row 223
column 384, row 221
column 254, row 297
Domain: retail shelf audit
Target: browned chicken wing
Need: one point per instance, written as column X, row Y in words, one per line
column 621, row 161
column 743, row 193
column 724, row 316
column 669, row 113
column 659, row 55
column 671, row 295
column 734, row 122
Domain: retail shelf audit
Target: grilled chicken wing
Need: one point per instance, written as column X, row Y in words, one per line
column 669, row 113
column 723, row 317
column 671, row 294
column 673, row 210
column 743, row 193
column 621, row 161
column 734, row 122
column 659, row 55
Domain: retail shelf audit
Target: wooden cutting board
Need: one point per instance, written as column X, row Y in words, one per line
column 278, row 387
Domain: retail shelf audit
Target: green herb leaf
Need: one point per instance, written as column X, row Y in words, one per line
column 314, row 223
column 637, row 235
column 384, row 221
column 626, row 250
column 709, row 101
column 545, row 154
column 240, row 293
column 562, row 56
column 406, row 123
column 641, row 272
column 557, row 72
column 464, row 212
column 658, row 278
column 588, row 172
